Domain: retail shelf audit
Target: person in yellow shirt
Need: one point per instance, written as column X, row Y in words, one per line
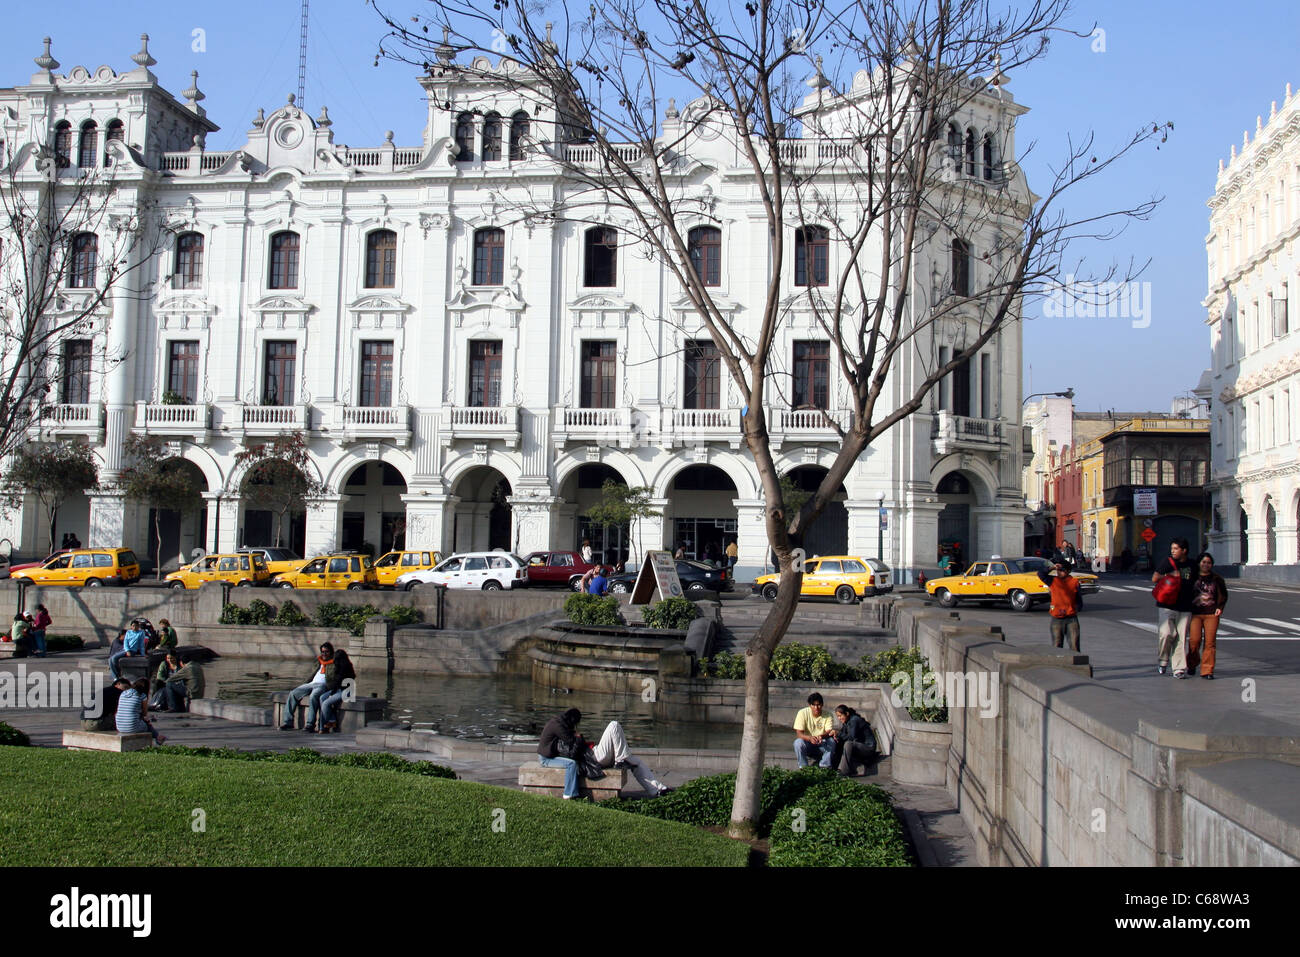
column 816, row 739
column 733, row 552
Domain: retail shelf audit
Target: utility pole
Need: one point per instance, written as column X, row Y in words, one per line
column 302, row 59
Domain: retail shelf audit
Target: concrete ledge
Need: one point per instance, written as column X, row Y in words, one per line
column 536, row 779
column 106, row 740
column 1252, row 813
column 353, row 715
column 230, row 711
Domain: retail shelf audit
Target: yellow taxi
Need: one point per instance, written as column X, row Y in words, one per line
column 392, row 564
column 243, row 568
column 88, row 567
column 350, row 571
column 277, row 559
column 1013, row 580
column 846, row 578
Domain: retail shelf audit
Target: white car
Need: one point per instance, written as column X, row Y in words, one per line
column 489, row 571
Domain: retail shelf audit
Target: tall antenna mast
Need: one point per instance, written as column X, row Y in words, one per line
column 302, row 59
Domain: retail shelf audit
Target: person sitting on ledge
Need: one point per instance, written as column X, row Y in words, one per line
column 133, row 646
column 854, row 740
column 816, row 739
column 336, row 690
column 314, row 690
column 133, row 711
column 560, row 738
column 612, row 752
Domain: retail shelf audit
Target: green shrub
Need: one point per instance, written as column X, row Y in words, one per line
column 333, row 615
column 584, row 609
column 64, row 643
column 12, row 736
column 258, row 612
column 903, row 662
column 675, row 613
column 371, row 760
column 724, row 665
column 290, row 614
column 842, row 822
column 404, row 615
column 796, row 662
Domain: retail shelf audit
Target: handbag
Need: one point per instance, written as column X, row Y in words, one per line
column 1167, row 588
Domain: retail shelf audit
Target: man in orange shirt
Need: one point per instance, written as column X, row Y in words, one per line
column 1067, row 602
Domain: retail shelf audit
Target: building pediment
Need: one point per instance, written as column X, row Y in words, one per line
column 600, row 311
column 185, row 311
column 282, row 312
column 379, row 312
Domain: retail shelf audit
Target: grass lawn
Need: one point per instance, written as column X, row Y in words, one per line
column 87, row 808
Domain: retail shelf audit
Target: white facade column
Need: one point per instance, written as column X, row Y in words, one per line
column 109, row 519
column 751, row 539
column 920, row 547
column 323, row 517
column 212, row 531
column 227, row 532
column 1257, row 541
column 119, row 379
column 1286, row 544
column 425, row 519
column 532, row 522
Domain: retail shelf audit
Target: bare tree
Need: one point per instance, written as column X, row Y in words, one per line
column 879, row 90
column 67, row 244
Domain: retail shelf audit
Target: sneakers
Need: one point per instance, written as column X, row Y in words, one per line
column 623, row 765
column 286, row 727
column 1208, row 677
column 162, row 739
column 329, row 726
column 1161, row 669
column 663, row 790
column 309, row 730
column 1180, row 674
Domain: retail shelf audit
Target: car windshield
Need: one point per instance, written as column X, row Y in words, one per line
column 1028, row 564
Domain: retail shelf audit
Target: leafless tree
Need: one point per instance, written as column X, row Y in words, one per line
column 879, row 90
column 68, row 240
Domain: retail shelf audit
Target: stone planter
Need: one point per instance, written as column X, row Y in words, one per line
column 606, row 659
column 919, row 749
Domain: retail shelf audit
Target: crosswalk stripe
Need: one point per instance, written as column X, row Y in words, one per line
column 1144, row 625
column 1258, row 638
column 1276, row 623
column 1242, row 626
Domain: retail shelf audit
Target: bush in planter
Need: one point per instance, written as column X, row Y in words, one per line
column 592, row 610
column 404, row 615
column 64, row 643
column 289, row 615
column 12, row 736
column 796, row 662
column 724, row 665
column 897, row 666
column 258, row 612
column 675, row 613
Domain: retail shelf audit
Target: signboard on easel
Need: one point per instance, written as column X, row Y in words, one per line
column 658, row 571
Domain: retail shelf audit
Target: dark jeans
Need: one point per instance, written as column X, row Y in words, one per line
column 856, row 755
column 1063, row 628
column 175, row 696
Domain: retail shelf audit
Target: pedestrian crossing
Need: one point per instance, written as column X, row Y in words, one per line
column 1233, row 630
column 1233, row 586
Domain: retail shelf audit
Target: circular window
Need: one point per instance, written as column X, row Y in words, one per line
column 289, row 135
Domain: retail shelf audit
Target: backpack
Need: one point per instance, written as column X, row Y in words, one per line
column 1167, row 588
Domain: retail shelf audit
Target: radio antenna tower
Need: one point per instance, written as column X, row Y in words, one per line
column 302, row 59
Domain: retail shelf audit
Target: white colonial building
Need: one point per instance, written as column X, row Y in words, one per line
column 1253, row 250
column 467, row 377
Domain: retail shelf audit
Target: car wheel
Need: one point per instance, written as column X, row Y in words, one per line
column 575, row 583
column 285, row 585
column 492, row 585
column 243, row 584
column 93, row 583
column 409, row 586
column 695, row 588
column 1020, row 600
column 619, row 588
column 946, row 598
column 769, row 591
column 845, row 595
column 177, row 585
column 356, row 586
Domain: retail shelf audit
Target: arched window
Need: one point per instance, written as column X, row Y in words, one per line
column 1270, row 530
column 961, row 262
column 88, row 154
column 85, row 258
column 381, row 259
column 115, row 131
column 465, row 138
column 188, row 273
column 705, row 245
column 489, row 257
column 600, row 257
column 970, row 152
column 812, row 256
column 63, row 144
column 1143, row 466
column 988, row 157
column 954, row 146
column 284, row 261
column 518, row 130
column 492, row 137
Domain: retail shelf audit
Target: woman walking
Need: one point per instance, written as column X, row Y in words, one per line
column 1209, row 596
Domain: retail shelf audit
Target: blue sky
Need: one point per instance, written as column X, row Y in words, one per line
column 1209, row 68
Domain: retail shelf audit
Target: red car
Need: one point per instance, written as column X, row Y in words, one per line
column 556, row 569
column 39, row 562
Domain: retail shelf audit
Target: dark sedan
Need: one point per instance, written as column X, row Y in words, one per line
column 696, row 577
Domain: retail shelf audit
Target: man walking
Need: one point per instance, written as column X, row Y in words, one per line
column 1067, row 602
column 1174, row 608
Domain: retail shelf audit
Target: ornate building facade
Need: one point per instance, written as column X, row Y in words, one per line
column 1253, row 252
column 467, row 377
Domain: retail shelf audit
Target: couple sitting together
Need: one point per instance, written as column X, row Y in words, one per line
column 328, row 687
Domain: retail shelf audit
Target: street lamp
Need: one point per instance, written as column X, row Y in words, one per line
column 880, row 529
column 1067, row 394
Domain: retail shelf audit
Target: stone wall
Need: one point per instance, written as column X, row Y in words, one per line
column 1066, row 771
